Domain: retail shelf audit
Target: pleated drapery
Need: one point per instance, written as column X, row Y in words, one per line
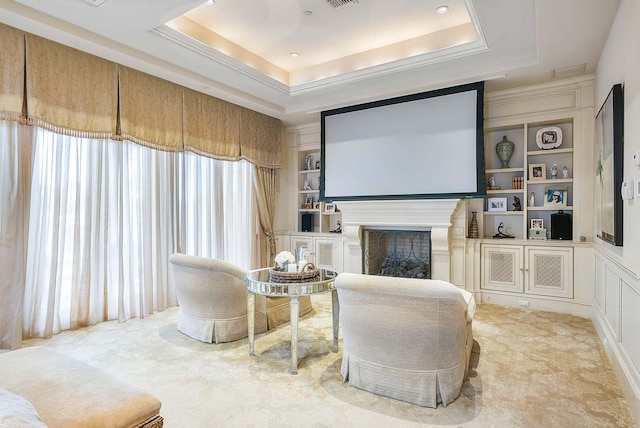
column 74, row 93
column 70, row 92
column 260, row 137
column 150, row 110
column 211, row 126
column 11, row 73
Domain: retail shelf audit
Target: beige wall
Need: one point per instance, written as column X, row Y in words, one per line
column 620, row 63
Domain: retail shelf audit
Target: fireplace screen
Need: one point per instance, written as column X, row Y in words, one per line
column 401, row 253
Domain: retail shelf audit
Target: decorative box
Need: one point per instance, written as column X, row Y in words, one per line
column 538, row 234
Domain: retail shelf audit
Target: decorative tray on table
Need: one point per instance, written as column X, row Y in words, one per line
column 309, row 273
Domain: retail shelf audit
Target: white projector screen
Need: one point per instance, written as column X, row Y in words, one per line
column 422, row 146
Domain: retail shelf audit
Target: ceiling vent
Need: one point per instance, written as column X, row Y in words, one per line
column 95, row 3
column 341, row 3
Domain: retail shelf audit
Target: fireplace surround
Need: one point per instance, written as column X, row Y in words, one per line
column 435, row 216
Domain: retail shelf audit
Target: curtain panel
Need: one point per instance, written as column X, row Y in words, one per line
column 264, row 181
column 150, row 111
column 211, row 126
column 70, row 92
column 11, row 73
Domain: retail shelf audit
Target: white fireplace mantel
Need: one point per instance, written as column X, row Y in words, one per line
column 433, row 215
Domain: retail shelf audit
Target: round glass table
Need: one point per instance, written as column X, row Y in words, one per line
column 260, row 282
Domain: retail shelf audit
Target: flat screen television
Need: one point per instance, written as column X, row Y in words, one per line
column 428, row 145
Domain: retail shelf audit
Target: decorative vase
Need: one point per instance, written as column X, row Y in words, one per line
column 473, row 226
column 504, row 149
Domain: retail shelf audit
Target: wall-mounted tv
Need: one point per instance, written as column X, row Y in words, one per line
column 422, row 146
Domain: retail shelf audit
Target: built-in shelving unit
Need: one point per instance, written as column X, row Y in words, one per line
column 312, row 214
column 526, row 155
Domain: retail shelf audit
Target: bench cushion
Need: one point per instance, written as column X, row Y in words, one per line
column 69, row 393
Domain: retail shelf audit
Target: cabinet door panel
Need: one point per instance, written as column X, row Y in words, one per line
column 325, row 253
column 550, row 271
column 502, row 268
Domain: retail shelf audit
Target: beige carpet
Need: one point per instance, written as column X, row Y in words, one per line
column 530, row 369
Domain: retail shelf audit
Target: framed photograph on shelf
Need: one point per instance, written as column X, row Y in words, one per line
column 537, row 171
column 497, row 204
column 329, row 208
column 537, row 223
column 308, row 203
column 555, row 197
column 316, row 205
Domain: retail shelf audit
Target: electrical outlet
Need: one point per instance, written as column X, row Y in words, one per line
column 523, row 303
column 637, row 188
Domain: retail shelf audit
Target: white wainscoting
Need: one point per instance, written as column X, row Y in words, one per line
column 616, row 317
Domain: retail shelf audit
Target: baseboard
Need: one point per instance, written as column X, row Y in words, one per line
column 539, row 303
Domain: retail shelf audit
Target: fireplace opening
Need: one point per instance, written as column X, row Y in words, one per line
column 400, row 253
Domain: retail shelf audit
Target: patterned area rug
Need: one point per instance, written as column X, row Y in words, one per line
column 529, row 369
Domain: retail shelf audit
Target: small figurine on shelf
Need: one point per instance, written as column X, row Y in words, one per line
column 492, row 181
column 565, row 172
column 554, row 171
column 306, row 185
column 337, row 229
column 307, row 162
column 517, row 205
column 532, row 199
column 501, row 234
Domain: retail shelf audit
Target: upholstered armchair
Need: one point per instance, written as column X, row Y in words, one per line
column 212, row 295
column 408, row 339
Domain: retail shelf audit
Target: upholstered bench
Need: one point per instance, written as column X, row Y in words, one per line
column 68, row 393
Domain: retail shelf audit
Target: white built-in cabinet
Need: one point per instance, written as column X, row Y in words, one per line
column 323, row 251
column 520, row 271
column 526, row 269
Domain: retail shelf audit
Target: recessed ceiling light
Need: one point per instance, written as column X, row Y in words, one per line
column 442, row 9
column 295, row 55
column 209, row 2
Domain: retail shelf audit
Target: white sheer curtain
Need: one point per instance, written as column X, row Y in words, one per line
column 15, row 166
column 88, row 227
column 220, row 216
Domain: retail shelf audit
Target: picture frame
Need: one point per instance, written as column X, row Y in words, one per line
column 308, row 202
column 316, row 205
column 609, row 147
column 555, row 196
column 496, row 204
column 329, row 208
column 537, row 223
column 549, row 137
column 537, row 171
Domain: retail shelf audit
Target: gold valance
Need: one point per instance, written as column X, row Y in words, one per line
column 150, row 110
column 70, row 92
column 260, row 139
column 211, row 126
column 11, row 73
